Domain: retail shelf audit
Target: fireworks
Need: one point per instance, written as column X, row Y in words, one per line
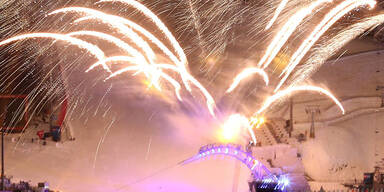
column 158, row 22
column 92, row 49
column 150, row 69
column 283, row 93
column 143, row 60
column 116, row 41
column 333, row 16
column 246, row 73
column 280, row 8
column 326, row 50
column 298, row 37
column 286, row 31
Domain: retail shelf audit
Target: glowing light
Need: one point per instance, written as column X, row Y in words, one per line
column 158, row 23
column 280, row 8
column 209, row 99
column 143, row 31
column 232, row 127
column 92, row 49
column 289, row 91
column 254, row 165
column 285, row 181
column 151, row 72
column 246, row 73
column 210, row 102
column 256, row 122
column 148, row 13
column 235, row 151
column 111, row 20
column 116, row 41
column 329, row 19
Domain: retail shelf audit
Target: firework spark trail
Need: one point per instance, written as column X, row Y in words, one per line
column 253, row 136
column 152, row 75
column 209, row 99
column 246, row 73
column 47, row 97
column 102, row 99
column 148, row 13
column 155, row 41
column 333, row 16
column 102, row 141
column 111, row 20
column 150, row 37
column 210, row 102
column 280, row 8
column 279, row 95
column 196, row 23
column 132, row 60
column 320, row 55
column 286, row 31
column 183, row 73
column 93, row 49
column 172, row 81
column 10, row 77
column 125, row 69
column 114, row 21
column 116, row 41
column 143, row 9
column 143, row 31
column 148, row 148
column 139, row 69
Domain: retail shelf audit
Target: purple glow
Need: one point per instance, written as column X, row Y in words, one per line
column 261, row 173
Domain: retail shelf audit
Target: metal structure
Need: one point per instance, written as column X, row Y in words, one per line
column 259, row 171
column 4, row 129
column 290, row 117
column 381, row 88
column 25, row 111
column 2, row 160
column 312, row 110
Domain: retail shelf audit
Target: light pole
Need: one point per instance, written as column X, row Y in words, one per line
column 290, row 117
column 381, row 88
column 312, row 110
column 2, row 159
column 2, row 151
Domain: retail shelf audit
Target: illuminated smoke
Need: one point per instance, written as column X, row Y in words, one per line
column 150, row 71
